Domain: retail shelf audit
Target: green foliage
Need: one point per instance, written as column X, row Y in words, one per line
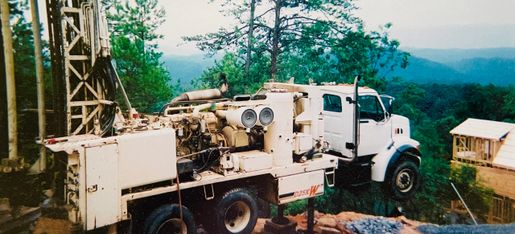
column 509, row 105
column 232, row 66
column 430, row 202
column 434, row 110
column 477, row 197
column 134, row 47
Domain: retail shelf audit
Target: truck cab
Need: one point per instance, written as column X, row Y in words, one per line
column 372, row 143
column 374, row 121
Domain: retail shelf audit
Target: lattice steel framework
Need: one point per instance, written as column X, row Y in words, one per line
column 78, row 37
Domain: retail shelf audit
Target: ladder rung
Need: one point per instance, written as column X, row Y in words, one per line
column 71, row 10
column 78, row 57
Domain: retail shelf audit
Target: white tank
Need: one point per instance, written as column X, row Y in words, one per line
column 279, row 137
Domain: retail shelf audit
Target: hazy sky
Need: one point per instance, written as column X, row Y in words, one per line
column 416, row 23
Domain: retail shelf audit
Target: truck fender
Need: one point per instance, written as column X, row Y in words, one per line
column 384, row 161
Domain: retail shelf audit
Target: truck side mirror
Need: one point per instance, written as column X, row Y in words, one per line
column 388, row 104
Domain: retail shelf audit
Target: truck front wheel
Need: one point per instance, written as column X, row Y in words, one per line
column 404, row 180
column 167, row 219
column 236, row 212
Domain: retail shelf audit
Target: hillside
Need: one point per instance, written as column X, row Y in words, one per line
column 447, row 56
column 186, row 68
column 443, row 66
column 460, row 68
column 498, row 71
column 422, row 70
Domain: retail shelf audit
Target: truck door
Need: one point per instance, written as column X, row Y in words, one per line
column 375, row 127
column 337, row 130
column 102, row 194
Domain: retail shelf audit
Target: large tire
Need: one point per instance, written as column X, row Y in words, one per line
column 236, row 212
column 167, row 219
column 404, row 180
column 264, row 210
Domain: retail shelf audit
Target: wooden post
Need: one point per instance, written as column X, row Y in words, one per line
column 12, row 120
column 454, row 147
column 39, row 81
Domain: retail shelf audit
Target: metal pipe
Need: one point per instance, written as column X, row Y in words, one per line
column 311, row 214
column 10, row 84
column 205, row 94
column 463, row 201
column 39, row 81
column 356, row 118
column 197, row 109
column 355, row 127
column 124, row 94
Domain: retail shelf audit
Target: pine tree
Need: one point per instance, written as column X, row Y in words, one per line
column 319, row 40
column 134, row 47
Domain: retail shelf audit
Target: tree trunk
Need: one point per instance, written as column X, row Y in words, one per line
column 3, row 104
column 275, row 39
column 39, row 80
column 12, row 124
column 250, row 39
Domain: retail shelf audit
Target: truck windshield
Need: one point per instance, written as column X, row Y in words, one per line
column 370, row 108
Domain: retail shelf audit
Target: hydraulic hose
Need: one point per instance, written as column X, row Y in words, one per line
column 104, row 70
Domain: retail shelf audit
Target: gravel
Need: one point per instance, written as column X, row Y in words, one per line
column 375, row 225
column 467, row 229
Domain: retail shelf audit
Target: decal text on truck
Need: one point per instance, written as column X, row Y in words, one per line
column 312, row 191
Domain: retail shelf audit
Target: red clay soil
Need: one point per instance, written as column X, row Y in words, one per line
column 334, row 224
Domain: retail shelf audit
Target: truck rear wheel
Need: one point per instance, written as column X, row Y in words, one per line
column 167, row 219
column 236, row 212
column 404, row 180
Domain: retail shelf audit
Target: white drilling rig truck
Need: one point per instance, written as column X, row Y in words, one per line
column 206, row 159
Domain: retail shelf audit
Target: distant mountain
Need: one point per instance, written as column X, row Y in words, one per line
column 422, row 70
column 186, row 68
column 497, row 71
column 446, row 56
column 446, row 66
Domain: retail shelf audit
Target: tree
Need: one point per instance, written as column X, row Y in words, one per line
column 289, row 22
column 319, row 40
column 509, row 105
column 232, row 66
column 250, row 37
column 134, row 47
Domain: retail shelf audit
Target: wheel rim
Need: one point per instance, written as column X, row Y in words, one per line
column 173, row 226
column 237, row 217
column 405, row 180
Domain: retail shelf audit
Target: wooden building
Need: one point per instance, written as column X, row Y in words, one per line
column 490, row 147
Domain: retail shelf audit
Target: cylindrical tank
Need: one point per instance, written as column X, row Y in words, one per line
column 279, row 137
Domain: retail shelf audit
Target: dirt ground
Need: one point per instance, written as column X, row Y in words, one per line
column 334, row 224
